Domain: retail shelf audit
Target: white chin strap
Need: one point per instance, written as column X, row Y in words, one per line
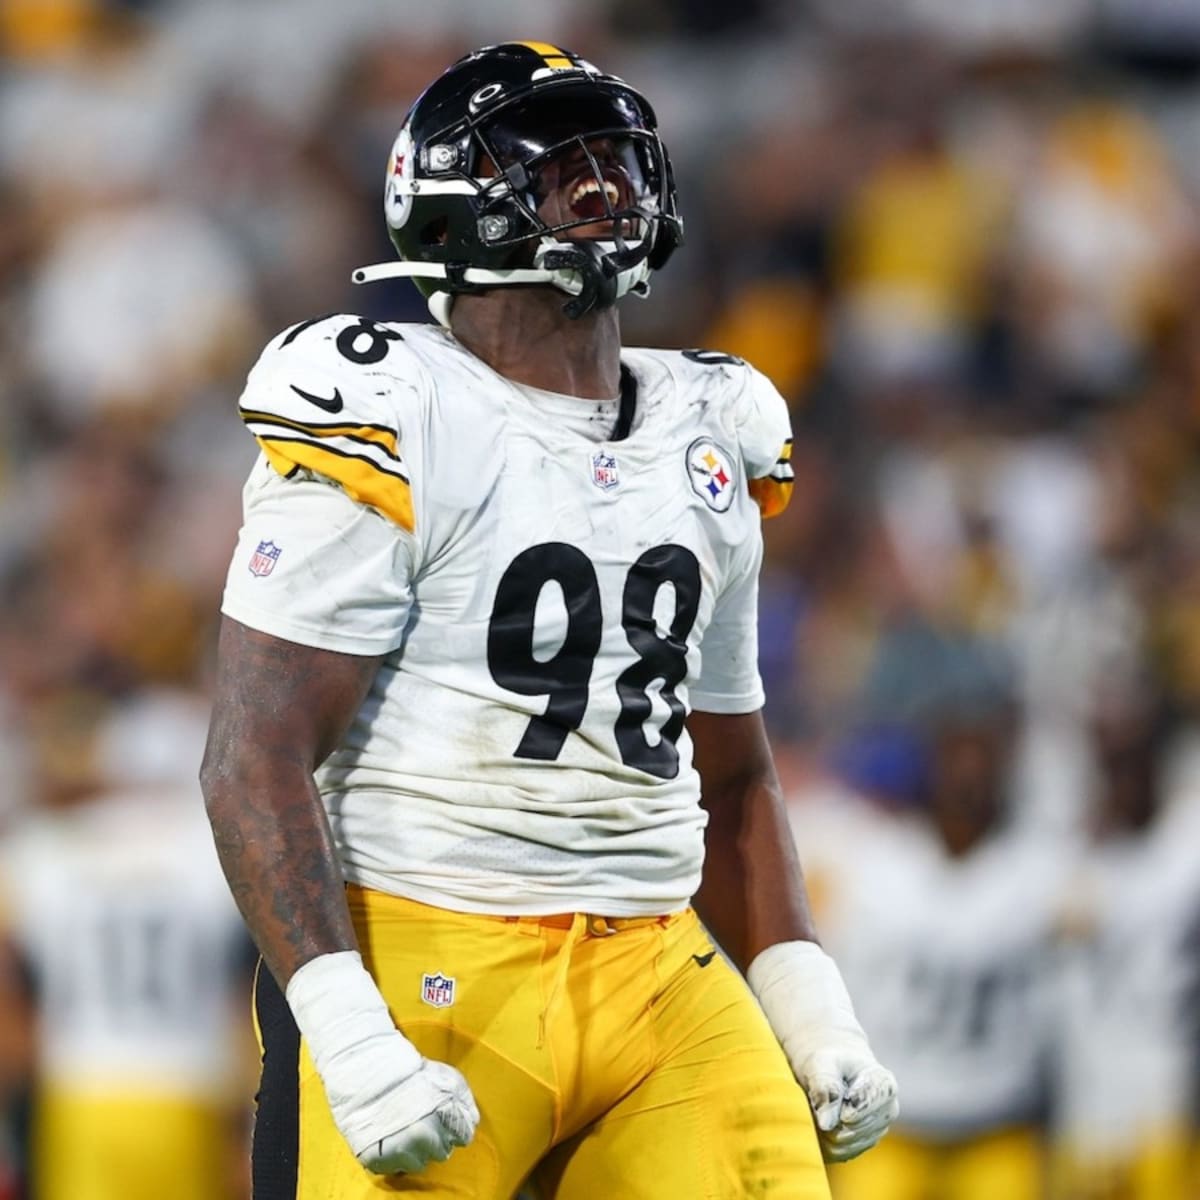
column 635, row 279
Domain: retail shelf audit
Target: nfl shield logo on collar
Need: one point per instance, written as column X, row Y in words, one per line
column 604, row 470
column 437, row 990
column 263, row 560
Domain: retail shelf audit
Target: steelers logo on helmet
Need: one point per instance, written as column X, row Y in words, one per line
column 397, row 200
column 711, row 473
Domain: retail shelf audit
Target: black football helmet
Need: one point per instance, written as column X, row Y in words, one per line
column 483, row 149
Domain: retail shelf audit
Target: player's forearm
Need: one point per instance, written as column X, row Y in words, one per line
column 396, row 1110
column 752, row 891
column 279, row 710
column 277, row 853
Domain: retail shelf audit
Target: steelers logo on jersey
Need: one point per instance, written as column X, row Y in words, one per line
column 711, row 472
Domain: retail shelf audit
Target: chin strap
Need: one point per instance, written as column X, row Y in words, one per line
column 595, row 273
column 597, row 270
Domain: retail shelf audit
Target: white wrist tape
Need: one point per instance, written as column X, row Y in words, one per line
column 801, row 991
column 853, row 1098
column 338, row 1006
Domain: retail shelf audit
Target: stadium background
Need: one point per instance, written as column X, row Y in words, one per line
column 962, row 239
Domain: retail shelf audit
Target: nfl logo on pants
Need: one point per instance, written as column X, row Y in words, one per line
column 437, row 990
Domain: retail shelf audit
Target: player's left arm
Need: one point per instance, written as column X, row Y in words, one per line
column 753, row 900
column 752, row 893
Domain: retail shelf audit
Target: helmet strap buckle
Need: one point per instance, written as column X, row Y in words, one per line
column 598, row 275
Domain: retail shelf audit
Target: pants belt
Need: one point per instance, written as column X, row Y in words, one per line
column 596, row 925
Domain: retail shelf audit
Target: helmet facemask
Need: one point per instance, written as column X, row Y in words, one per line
column 585, row 204
column 566, row 184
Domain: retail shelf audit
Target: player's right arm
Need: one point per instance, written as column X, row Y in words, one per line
column 280, row 708
column 309, row 615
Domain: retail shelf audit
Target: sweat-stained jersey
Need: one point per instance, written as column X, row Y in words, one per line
column 548, row 606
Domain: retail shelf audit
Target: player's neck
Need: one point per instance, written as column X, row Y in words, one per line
column 524, row 335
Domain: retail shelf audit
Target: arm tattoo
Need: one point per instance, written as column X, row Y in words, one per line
column 280, row 708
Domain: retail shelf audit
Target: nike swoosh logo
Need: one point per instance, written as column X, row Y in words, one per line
column 331, row 404
column 705, row 959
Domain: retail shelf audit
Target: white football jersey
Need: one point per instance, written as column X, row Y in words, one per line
column 948, row 960
column 121, row 910
column 548, row 606
column 1130, row 976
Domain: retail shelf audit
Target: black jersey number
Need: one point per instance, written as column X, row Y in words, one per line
column 564, row 677
column 962, row 1009
column 713, row 358
column 365, row 342
column 658, row 657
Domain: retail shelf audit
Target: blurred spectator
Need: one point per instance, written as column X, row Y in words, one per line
column 1101, row 232
column 41, row 29
column 115, row 904
column 942, row 914
column 912, row 245
column 1130, row 976
column 156, row 301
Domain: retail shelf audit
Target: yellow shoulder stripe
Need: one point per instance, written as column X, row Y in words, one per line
column 773, row 492
column 376, row 434
column 553, row 55
column 361, row 479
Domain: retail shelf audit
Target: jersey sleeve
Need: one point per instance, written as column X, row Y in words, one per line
column 765, row 433
column 314, row 566
column 729, row 681
column 326, row 397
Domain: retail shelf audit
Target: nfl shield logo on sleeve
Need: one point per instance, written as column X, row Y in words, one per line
column 604, row 470
column 263, row 560
column 437, row 990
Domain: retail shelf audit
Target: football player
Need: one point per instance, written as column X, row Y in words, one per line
column 113, row 900
column 1129, row 973
column 943, row 918
column 488, row 692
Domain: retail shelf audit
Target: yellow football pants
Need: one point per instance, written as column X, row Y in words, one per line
column 611, row 1060
column 1163, row 1169
column 1008, row 1165
column 130, row 1147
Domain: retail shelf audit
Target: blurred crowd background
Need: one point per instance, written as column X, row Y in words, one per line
column 961, row 236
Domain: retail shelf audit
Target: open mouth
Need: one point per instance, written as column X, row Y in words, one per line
column 593, row 199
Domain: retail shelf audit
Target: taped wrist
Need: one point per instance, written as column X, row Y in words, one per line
column 801, row 991
column 339, row 1009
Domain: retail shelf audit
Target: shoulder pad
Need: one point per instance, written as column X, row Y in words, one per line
column 325, row 396
column 765, row 436
column 759, row 417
